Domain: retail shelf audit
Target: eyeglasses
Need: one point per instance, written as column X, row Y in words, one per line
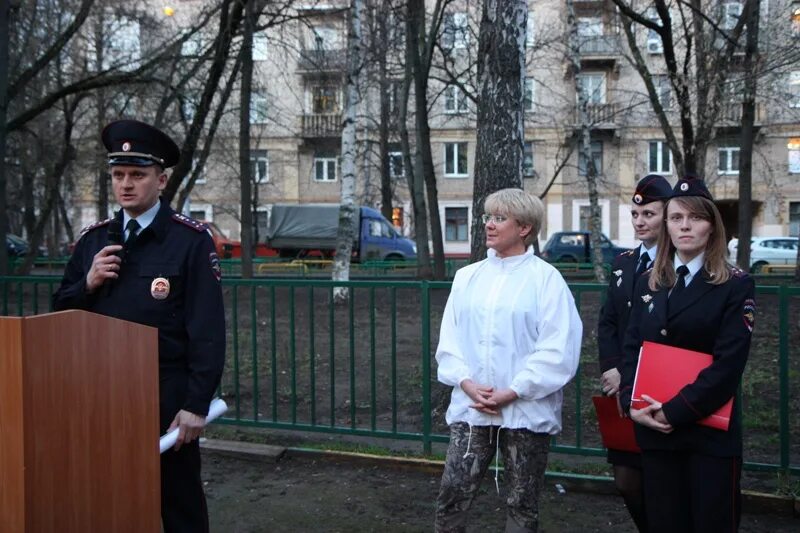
column 497, row 219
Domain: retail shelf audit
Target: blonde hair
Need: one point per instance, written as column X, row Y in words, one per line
column 715, row 261
column 523, row 207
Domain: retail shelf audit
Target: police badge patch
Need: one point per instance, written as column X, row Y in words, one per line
column 749, row 314
column 215, row 267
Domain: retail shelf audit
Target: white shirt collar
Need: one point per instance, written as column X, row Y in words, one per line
column 694, row 266
column 144, row 220
column 651, row 252
column 509, row 262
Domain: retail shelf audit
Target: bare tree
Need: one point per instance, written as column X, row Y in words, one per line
column 501, row 70
column 348, row 211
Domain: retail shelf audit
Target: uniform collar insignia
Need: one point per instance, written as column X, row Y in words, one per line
column 646, row 298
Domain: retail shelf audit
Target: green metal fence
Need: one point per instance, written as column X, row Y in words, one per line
column 298, row 361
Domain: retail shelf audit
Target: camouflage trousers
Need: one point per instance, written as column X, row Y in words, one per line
column 468, row 459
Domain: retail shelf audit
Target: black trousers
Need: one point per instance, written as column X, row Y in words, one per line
column 183, row 503
column 690, row 492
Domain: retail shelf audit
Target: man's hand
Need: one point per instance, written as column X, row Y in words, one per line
column 105, row 265
column 652, row 416
column 610, row 382
column 189, row 425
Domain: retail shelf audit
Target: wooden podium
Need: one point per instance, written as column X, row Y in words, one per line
column 78, row 424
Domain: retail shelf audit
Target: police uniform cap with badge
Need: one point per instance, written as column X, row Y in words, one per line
column 134, row 143
column 651, row 188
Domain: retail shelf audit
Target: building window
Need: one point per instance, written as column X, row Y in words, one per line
column 259, row 166
column 793, row 146
column 455, row 34
column 654, row 43
column 124, row 45
column 663, row 90
column 397, row 218
column 796, row 23
column 593, row 87
column 260, row 223
column 529, row 95
column 325, row 169
column 455, row 224
column 794, row 89
column 189, row 100
column 324, row 38
column 527, row 160
column 455, row 101
column 530, row 30
column 396, row 168
column 258, row 107
column 660, row 158
column 794, row 218
column 728, row 159
column 201, row 212
column 260, row 46
column 731, row 11
column 455, row 160
column 193, row 46
column 590, row 26
column 324, row 99
column 596, row 150
column 201, row 174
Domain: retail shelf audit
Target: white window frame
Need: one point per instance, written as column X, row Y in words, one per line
column 590, row 26
column 258, row 106
column 731, row 11
column 660, row 168
column 260, row 209
column 456, row 30
column 455, row 101
column 654, row 43
column 663, row 87
column 605, row 214
column 207, row 209
column 793, row 86
column 529, row 95
column 530, row 30
column 392, row 174
column 532, row 173
column 325, row 38
column 467, row 237
column 201, row 177
column 456, row 153
column 326, row 161
column 793, row 155
column 726, row 153
column 312, row 98
column 260, row 46
column 597, row 94
column 592, row 152
column 256, row 157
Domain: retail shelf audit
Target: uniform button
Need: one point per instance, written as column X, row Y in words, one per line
column 629, row 303
column 664, row 332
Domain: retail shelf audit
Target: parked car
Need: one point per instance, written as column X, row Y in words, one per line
column 574, row 247
column 16, row 246
column 768, row 251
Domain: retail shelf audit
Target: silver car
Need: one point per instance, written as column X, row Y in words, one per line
column 768, row 251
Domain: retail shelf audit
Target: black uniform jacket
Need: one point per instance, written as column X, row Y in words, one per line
column 713, row 319
column 616, row 310
column 190, row 320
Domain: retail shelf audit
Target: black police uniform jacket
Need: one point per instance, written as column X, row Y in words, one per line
column 616, row 310
column 190, row 320
column 713, row 319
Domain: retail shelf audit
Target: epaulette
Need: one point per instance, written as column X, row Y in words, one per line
column 100, row 224
column 192, row 223
column 628, row 252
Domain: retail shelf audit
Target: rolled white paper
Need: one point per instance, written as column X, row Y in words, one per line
column 215, row 410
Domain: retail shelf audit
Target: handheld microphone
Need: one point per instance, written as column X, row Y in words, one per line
column 115, row 236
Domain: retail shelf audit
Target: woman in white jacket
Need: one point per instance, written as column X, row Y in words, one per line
column 509, row 343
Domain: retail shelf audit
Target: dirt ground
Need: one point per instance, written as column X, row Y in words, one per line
column 300, row 493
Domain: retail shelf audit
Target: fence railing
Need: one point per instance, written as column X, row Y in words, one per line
column 298, row 361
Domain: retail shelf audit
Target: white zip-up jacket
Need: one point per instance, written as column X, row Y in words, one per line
column 510, row 323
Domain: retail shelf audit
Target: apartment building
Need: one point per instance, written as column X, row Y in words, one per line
column 297, row 104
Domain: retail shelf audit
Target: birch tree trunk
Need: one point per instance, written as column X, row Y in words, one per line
column 585, row 148
column 500, row 135
column 348, row 212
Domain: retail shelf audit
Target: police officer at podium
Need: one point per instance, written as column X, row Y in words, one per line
column 153, row 266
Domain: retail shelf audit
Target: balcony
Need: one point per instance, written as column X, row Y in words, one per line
column 730, row 115
column 599, row 50
column 600, row 116
column 322, row 61
column 321, row 126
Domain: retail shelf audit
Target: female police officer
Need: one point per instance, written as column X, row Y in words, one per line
column 691, row 299
column 167, row 276
column 647, row 217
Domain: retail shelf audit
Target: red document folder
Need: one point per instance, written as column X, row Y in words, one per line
column 616, row 431
column 664, row 370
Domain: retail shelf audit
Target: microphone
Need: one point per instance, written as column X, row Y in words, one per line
column 115, row 236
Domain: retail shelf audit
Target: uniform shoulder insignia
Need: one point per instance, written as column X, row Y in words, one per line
column 96, row 225
column 627, row 253
column 192, row 223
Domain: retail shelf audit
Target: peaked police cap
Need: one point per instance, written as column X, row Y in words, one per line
column 130, row 142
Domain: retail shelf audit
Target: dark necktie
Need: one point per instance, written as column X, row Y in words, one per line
column 681, row 284
column 132, row 227
column 643, row 262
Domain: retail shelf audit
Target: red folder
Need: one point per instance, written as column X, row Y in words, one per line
column 616, row 431
column 664, row 370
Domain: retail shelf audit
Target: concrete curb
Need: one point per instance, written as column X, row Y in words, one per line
column 752, row 502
